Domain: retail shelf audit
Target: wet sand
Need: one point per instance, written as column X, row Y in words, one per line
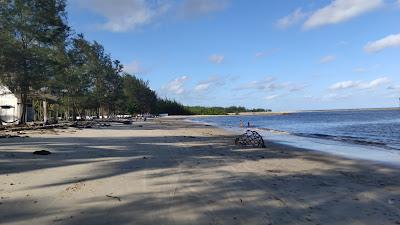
column 174, row 172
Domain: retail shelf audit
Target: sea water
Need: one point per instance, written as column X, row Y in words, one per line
column 364, row 134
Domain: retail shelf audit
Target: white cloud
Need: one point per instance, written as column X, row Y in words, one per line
column 180, row 89
column 328, row 97
column 292, row 19
column 367, row 69
column 339, row 11
column 272, row 97
column 193, row 8
column 125, row 15
column 327, row 59
column 217, row 59
column 392, row 96
column 386, row 42
column 394, row 87
column 202, row 87
column 335, row 96
column 269, row 84
column 176, row 86
column 297, row 87
column 211, row 82
column 266, row 53
column 378, row 82
column 345, row 85
column 308, row 96
column 133, row 67
column 265, row 84
column 260, row 54
column 360, row 70
column 359, row 84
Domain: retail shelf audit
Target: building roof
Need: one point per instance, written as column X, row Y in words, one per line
column 4, row 90
column 52, row 98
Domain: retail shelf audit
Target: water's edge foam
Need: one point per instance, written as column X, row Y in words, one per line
column 373, row 152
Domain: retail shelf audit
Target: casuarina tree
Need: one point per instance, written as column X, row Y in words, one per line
column 33, row 34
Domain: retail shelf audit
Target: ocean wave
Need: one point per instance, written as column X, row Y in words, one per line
column 273, row 131
column 347, row 139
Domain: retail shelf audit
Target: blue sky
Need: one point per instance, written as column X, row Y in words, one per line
column 283, row 55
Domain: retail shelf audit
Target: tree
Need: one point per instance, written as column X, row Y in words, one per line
column 139, row 98
column 92, row 81
column 32, row 35
column 39, row 60
column 171, row 107
column 78, row 80
column 107, row 79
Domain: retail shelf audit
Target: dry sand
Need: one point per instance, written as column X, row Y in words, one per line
column 175, row 172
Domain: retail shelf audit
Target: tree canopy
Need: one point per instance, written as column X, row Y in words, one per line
column 40, row 56
column 33, row 37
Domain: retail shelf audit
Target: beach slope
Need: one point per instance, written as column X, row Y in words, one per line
column 170, row 171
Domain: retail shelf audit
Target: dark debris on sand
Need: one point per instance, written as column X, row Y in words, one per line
column 41, row 152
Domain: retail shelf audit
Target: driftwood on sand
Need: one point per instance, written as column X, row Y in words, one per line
column 36, row 127
column 8, row 131
column 41, row 126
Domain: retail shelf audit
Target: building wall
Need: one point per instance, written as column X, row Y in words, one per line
column 11, row 107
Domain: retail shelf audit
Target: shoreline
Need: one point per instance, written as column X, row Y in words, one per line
column 367, row 151
column 170, row 171
column 273, row 144
column 234, row 114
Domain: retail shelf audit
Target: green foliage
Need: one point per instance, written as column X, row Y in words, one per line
column 201, row 110
column 139, row 98
column 33, row 33
column 39, row 58
column 91, row 81
column 171, row 107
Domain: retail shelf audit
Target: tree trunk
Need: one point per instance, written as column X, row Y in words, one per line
column 23, row 118
column 74, row 113
column 45, row 116
column 55, row 116
column 67, row 113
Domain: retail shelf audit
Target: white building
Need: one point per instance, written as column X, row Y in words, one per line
column 10, row 107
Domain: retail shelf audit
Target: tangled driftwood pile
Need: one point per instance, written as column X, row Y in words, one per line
column 8, row 131
column 89, row 124
column 250, row 139
column 34, row 127
column 8, row 136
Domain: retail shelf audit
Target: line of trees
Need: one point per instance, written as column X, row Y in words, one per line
column 46, row 65
column 201, row 110
column 41, row 59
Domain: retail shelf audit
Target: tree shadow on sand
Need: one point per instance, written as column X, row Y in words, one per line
column 202, row 180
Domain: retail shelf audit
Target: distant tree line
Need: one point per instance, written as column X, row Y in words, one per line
column 201, row 110
column 43, row 62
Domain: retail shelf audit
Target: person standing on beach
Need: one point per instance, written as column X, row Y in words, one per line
column 248, row 124
column 241, row 123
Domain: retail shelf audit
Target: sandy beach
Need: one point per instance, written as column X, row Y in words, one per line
column 169, row 171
